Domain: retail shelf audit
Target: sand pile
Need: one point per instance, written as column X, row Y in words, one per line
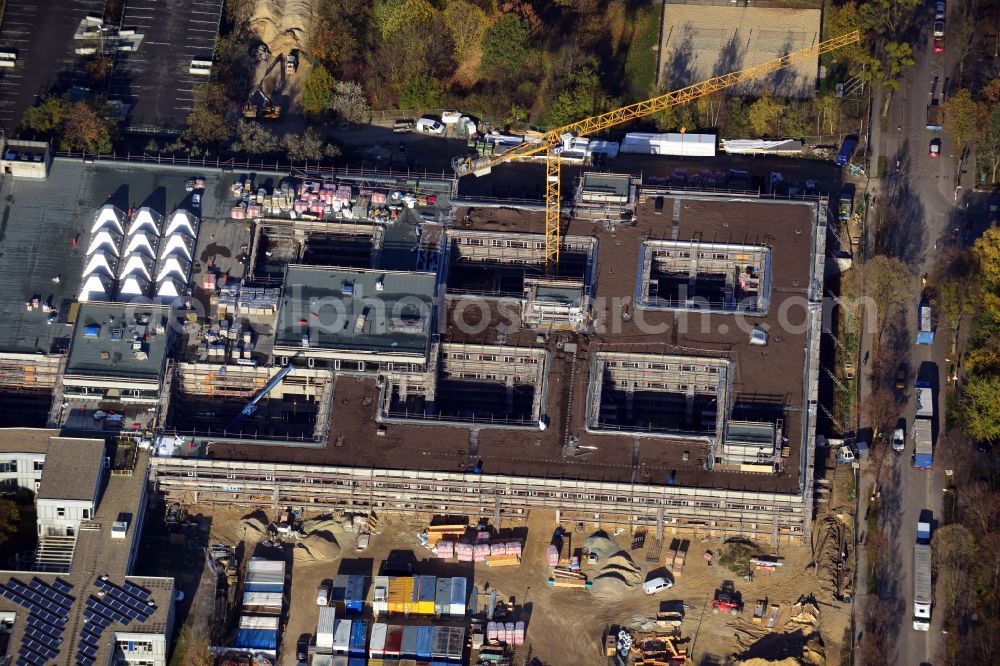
column 599, row 542
column 256, row 521
column 282, row 24
column 618, row 574
column 317, row 546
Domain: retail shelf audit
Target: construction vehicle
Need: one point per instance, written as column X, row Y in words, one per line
column 259, row 105
column 551, row 143
column 727, row 599
column 292, row 62
column 251, row 406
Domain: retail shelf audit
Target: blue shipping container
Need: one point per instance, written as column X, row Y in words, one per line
column 846, row 150
column 357, row 661
column 425, row 639
column 354, row 595
column 258, row 639
column 264, row 587
column 359, row 637
column 408, row 650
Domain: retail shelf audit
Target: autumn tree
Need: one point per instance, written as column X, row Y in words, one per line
column 577, row 99
column 954, row 554
column 207, row 124
column 309, row 146
column 829, row 113
column 981, row 406
column 317, row 91
column 764, row 114
column 980, row 507
column 952, row 285
column 421, row 92
column 885, row 277
column 988, row 148
column 394, row 17
column 90, row 127
column 98, row 68
column 10, row 515
column 466, row 23
column 962, row 117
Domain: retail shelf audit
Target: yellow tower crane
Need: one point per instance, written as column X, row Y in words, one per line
column 552, row 141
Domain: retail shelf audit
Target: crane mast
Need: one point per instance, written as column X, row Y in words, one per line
column 552, row 141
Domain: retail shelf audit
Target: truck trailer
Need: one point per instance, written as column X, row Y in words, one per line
column 922, row 587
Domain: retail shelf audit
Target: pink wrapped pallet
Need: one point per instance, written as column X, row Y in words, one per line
column 498, row 549
column 463, row 552
column 480, row 552
column 514, row 548
column 237, row 213
column 508, row 633
column 482, row 537
column 445, row 549
column 491, row 631
column 378, row 197
column 519, row 633
column 552, row 555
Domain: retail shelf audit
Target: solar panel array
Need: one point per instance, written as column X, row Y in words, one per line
column 115, row 604
column 48, row 608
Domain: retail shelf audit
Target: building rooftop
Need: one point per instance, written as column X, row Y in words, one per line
column 155, row 80
column 356, row 310
column 120, row 340
column 767, row 382
column 65, row 206
column 26, row 440
column 44, row 44
column 73, row 468
column 96, row 555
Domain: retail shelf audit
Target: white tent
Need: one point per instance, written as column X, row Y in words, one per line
column 101, row 264
column 181, row 221
column 95, row 288
column 170, row 288
column 105, row 242
column 177, row 246
column 174, row 267
column 136, row 264
column 108, row 217
column 134, row 285
column 144, row 244
column 146, row 219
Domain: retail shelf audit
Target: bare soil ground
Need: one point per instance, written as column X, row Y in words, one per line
column 553, row 614
column 283, row 25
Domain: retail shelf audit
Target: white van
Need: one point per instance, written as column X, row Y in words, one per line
column 656, row 584
column 323, row 593
column 429, row 126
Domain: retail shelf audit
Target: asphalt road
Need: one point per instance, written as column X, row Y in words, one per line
column 932, row 213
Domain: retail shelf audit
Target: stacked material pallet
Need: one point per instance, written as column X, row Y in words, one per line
column 678, row 565
column 564, row 577
column 668, row 559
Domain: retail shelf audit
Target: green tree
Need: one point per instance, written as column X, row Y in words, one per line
column 253, row 139
column 421, row 92
column 962, row 117
column 466, row 24
column 986, row 251
column 988, row 148
column 829, row 113
column 577, row 98
column 317, row 91
column 10, row 515
column 506, row 45
column 47, row 117
column 394, row 17
column 349, row 102
column 840, row 19
column 981, row 407
column 764, row 113
column 884, row 67
column 207, row 124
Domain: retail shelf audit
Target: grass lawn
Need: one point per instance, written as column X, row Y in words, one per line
column 640, row 63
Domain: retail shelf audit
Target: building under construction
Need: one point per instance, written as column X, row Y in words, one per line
column 662, row 375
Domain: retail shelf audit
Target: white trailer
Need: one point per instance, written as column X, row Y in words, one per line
column 922, row 587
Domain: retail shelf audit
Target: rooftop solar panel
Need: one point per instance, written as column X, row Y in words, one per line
column 62, row 585
column 137, row 591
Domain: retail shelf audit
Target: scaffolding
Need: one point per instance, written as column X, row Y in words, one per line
column 691, row 512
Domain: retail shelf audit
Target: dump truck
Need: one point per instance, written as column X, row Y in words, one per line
column 922, row 587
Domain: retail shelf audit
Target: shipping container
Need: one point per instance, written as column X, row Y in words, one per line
column 258, row 622
column 325, row 628
column 393, row 640
column 262, row 602
column 341, row 636
column 447, row 643
column 356, row 661
column 424, row 591
column 256, row 639
column 354, row 596
column 459, row 586
column 376, row 646
column 408, row 648
column 442, row 596
column 425, row 640
column 380, row 595
column 359, row 637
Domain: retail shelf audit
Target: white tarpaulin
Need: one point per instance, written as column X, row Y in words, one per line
column 761, row 146
column 671, row 143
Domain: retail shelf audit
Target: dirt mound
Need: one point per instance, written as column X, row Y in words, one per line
column 257, row 521
column 317, row 546
column 618, row 574
column 282, row 24
column 599, row 542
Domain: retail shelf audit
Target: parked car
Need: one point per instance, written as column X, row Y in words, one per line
column 939, row 45
column 939, row 28
column 898, row 440
column 302, row 647
column 196, row 201
column 657, row 584
column 429, row 126
column 901, row 375
column 939, row 10
column 935, row 148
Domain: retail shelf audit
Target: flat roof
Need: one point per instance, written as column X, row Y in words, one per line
column 765, row 377
column 97, row 554
column 155, row 80
column 702, row 39
column 344, row 309
column 26, row 440
column 46, row 62
column 42, row 218
column 72, row 469
column 107, row 334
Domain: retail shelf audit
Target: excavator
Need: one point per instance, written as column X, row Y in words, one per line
column 259, row 104
column 552, row 141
